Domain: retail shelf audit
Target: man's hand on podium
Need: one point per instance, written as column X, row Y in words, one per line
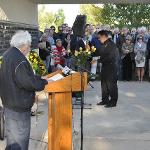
column 44, row 77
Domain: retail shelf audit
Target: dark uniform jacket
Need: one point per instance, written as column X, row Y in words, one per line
column 108, row 53
column 148, row 48
column 18, row 82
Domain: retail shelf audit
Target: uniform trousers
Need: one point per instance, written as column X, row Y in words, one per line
column 109, row 83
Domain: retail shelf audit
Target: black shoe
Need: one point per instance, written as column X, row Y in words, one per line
column 102, row 103
column 33, row 113
column 110, row 105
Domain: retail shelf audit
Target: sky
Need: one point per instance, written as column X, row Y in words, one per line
column 70, row 11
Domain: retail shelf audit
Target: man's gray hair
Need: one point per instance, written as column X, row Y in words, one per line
column 21, row 38
column 116, row 29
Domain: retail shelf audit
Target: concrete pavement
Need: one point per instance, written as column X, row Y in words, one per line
column 38, row 138
column 126, row 127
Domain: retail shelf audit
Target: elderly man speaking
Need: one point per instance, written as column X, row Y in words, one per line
column 17, row 88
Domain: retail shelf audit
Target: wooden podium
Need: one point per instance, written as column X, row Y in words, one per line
column 60, row 109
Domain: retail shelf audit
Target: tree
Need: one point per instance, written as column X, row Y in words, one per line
column 92, row 12
column 131, row 15
column 46, row 19
column 59, row 17
column 108, row 14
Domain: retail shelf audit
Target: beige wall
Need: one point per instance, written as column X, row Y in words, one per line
column 22, row 11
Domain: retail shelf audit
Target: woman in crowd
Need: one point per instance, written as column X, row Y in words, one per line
column 49, row 33
column 133, row 35
column 67, row 45
column 140, row 52
column 127, row 50
column 44, row 50
column 97, row 44
column 59, row 53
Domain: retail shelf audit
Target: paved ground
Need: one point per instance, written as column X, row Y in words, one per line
column 38, row 140
column 126, row 127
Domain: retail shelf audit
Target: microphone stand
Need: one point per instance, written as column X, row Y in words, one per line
column 82, row 107
column 88, row 73
column 82, row 104
column 81, row 70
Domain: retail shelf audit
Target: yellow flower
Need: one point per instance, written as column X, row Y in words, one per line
column 35, row 60
column 69, row 51
column 89, row 53
column 31, row 56
column 35, row 54
column 43, row 67
column 92, row 47
column 81, row 49
column 76, row 53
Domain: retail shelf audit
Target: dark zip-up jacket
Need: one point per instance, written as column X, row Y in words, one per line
column 18, row 82
column 108, row 53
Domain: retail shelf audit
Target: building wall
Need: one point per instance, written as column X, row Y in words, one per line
column 7, row 29
column 22, row 11
column 17, row 15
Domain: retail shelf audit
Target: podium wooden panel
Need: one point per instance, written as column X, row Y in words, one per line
column 60, row 109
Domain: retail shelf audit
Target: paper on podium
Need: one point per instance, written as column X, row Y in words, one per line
column 56, row 77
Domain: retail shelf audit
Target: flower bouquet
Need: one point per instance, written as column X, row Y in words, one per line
column 82, row 55
column 37, row 64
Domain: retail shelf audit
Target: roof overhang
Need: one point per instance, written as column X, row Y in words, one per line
column 88, row 1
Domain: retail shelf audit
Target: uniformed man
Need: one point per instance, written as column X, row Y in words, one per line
column 108, row 54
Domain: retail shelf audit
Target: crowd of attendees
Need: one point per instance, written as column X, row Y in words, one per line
column 54, row 46
column 134, row 51
column 133, row 48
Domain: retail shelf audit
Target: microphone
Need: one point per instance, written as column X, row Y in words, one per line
column 65, row 70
